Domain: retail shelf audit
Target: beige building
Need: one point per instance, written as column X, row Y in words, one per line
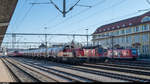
column 129, row 33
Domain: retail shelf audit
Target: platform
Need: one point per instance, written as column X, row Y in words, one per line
column 4, row 74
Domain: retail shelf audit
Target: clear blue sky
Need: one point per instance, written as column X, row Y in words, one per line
column 33, row 19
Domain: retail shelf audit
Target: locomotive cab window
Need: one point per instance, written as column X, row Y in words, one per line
column 105, row 50
column 133, row 51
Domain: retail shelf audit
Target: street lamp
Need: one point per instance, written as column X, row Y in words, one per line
column 112, row 46
column 87, row 35
column 46, row 40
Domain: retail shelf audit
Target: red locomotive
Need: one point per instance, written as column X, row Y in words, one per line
column 123, row 54
column 69, row 54
column 14, row 53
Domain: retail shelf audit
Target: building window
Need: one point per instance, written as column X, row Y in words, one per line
column 123, row 25
column 128, row 31
column 122, row 40
column 117, row 40
column 145, row 19
column 107, row 34
column 96, row 36
column 122, row 32
column 137, row 38
column 148, row 26
column 137, row 29
column 112, row 33
column 127, row 39
column 145, row 49
column 104, row 29
column 113, row 27
column 109, row 41
column 145, row 38
column 96, row 42
column 100, row 36
column 103, row 35
column 145, row 27
column 118, row 26
column 130, row 24
column 114, row 40
column 117, row 32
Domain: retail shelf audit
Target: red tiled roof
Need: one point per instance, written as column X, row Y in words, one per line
column 122, row 24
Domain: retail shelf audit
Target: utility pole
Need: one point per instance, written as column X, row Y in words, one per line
column 17, row 41
column 13, row 40
column 73, row 38
column 73, row 41
column 64, row 8
column 126, row 40
column 46, row 43
column 88, row 60
column 112, row 46
column 87, row 36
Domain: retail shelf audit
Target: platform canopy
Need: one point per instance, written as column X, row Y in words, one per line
column 7, row 8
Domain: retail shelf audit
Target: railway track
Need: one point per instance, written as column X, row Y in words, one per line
column 131, row 70
column 137, row 61
column 69, row 76
column 91, row 76
column 107, row 73
column 132, row 63
column 18, row 74
column 124, row 66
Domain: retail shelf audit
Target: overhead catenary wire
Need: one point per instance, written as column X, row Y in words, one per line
column 89, row 16
column 105, row 9
column 30, row 34
column 64, row 11
column 53, row 18
column 101, row 2
column 50, row 21
column 114, row 5
column 16, row 19
column 147, row 8
column 118, row 18
column 25, row 16
column 148, row 1
column 63, row 21
column 121, row 17
column 77, row 14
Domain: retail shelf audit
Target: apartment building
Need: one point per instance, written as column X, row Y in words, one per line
column 129, row 33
